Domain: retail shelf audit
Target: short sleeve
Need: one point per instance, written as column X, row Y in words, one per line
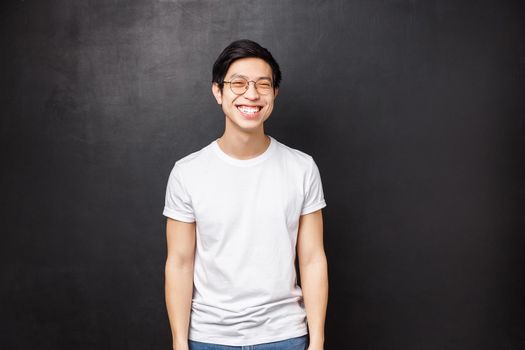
column 314, row 196
column 178, row 203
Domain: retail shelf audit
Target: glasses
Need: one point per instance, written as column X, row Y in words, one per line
column 240, row 85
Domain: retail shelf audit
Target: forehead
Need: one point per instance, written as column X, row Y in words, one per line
column 251, row 68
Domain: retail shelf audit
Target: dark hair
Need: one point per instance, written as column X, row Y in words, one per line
column 243, row 49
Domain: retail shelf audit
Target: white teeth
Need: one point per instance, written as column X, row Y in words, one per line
column 248, row 110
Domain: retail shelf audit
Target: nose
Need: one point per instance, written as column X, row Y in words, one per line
column 251, row 93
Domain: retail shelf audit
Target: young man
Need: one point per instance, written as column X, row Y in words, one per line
column 237, row 211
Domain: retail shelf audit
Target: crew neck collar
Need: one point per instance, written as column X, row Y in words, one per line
column 244, row 162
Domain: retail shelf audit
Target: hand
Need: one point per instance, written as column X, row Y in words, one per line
column 181, row 346
column 315, row 347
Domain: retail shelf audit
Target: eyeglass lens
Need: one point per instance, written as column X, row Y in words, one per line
column 239, row 86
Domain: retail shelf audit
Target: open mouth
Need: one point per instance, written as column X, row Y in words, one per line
column 249, row 110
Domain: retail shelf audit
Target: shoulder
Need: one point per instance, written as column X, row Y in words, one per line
column 294, row 156
column 194, row 160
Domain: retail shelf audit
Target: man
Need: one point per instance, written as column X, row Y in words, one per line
column 237, row 211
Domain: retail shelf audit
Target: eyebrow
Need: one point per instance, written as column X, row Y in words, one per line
column 245, row 77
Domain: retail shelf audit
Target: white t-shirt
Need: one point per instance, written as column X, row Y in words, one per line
column 247, row 216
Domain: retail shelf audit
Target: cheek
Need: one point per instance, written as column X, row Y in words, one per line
column 228, row 107
column 269, row 109
column 269, row 105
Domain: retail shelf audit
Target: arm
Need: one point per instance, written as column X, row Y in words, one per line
column 179, row 279
column 314, row 275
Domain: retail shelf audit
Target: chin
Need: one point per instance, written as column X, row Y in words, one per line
column 246, row 125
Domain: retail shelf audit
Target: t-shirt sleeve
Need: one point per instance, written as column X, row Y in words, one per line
column 314, row 196
column 178, row 202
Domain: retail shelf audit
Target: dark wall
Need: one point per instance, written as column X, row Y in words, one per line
column 413, row 110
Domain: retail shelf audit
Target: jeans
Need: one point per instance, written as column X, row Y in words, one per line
column 298, row 343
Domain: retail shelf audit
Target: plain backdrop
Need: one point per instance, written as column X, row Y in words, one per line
column 413, row 110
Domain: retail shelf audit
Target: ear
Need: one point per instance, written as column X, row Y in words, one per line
column 275, row 92
column 217, row 93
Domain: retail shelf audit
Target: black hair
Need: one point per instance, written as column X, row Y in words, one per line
column 243, row 49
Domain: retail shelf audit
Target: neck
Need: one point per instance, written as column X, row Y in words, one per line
column 244, row 145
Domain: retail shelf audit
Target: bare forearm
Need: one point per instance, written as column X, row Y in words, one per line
column 314, row 283
column 179, row 290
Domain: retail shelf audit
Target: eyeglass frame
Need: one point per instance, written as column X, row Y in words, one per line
column 248, row 85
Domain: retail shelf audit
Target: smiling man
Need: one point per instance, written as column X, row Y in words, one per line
column 239, row 210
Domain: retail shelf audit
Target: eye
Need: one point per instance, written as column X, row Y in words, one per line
column 264, row 84
column 238, row 83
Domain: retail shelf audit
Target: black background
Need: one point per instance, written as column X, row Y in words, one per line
column 413, row 111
